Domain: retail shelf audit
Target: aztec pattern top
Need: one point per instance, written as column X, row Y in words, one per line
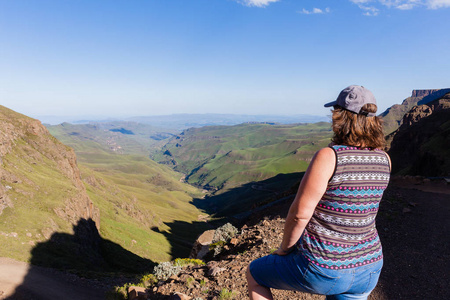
column 341, row 233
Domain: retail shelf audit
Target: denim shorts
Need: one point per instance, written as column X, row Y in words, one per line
column 295, row 272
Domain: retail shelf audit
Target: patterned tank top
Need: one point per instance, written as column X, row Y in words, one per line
column 341, row 233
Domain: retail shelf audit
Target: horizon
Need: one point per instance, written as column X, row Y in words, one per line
column 57, row 120
column 242, row 57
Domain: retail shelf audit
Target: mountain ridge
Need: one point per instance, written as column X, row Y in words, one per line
column 393, row 115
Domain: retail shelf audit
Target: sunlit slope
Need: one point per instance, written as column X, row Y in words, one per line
column 137, row 198
column 222, row 157
column 40, row 190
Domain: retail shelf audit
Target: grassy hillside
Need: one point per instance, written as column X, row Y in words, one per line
column 222, row 158
column 136, row 196
column 40, row 189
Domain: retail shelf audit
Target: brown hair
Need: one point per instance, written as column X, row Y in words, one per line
column 357, row 129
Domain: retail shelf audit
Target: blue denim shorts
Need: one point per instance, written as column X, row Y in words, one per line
column 295, row 272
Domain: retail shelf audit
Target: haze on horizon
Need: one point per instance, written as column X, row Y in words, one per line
column 255, row 57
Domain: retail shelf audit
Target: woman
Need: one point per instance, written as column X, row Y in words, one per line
column 330, row 244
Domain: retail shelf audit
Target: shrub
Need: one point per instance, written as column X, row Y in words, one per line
column 224, row 233
column 148, row 280
column 226, row 294
column 181, row 262
column 189, row 281
column 165, row 270
column 216, row 247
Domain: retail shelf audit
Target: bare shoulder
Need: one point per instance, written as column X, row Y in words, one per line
column 322, row 166
column 324, row 161
column 325, row 154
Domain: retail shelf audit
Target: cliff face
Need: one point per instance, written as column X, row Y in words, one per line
column 420, row 146
column 423, row 93
column 41, row 191
column 393, row 116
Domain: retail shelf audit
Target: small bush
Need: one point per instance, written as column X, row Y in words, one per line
column 181, row 262
column 224, row 233
column 148, row 280
column 189, row 281
column 217, row 247
column 165, row 270
column 226, row 294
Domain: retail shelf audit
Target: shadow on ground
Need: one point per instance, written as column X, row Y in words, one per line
column 84, row 253
column 241, row 201
column 236, row 205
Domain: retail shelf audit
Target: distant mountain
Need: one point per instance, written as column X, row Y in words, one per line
column 393, row 116
column 421, row 145
column 184, row 121
column 118, row 136
column 180, row 122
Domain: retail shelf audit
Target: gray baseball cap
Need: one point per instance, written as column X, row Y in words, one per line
column 353, row 98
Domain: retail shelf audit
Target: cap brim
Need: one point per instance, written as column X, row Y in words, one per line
column 333, row 103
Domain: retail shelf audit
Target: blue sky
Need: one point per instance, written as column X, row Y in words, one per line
column 152, row 57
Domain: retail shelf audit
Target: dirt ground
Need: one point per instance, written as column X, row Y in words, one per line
column 414, row 227
column 19, row 280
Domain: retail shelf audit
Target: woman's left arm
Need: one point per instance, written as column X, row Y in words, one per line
column 310, row 191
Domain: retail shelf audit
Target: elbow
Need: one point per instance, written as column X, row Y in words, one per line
column 299, row 219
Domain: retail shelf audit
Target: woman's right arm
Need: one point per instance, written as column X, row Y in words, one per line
column 310, row 191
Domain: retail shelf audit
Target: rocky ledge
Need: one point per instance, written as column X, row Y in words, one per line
column 224, row 276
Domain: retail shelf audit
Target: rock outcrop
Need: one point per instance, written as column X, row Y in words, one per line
column 424, row 93
column 420, row 146
column 393, row 116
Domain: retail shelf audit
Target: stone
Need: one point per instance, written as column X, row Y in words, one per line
column 215, row 270
column 137, row 293
column 234, row 241
column 201, row 245
column 179, row 296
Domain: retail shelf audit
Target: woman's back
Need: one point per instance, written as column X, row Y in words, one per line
column 341, row 233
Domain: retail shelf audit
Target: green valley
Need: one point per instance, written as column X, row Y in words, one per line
column 239, row 164
column 136, row 197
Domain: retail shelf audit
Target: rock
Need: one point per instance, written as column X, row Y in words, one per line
column 179, row 296
column 215, row 270
column 234, row 241
column 201, row 245
column 137, row 293
column 211, row 264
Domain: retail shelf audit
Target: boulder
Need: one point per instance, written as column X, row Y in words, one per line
column 179, row 296
column 201, row 245
column 137, row 293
